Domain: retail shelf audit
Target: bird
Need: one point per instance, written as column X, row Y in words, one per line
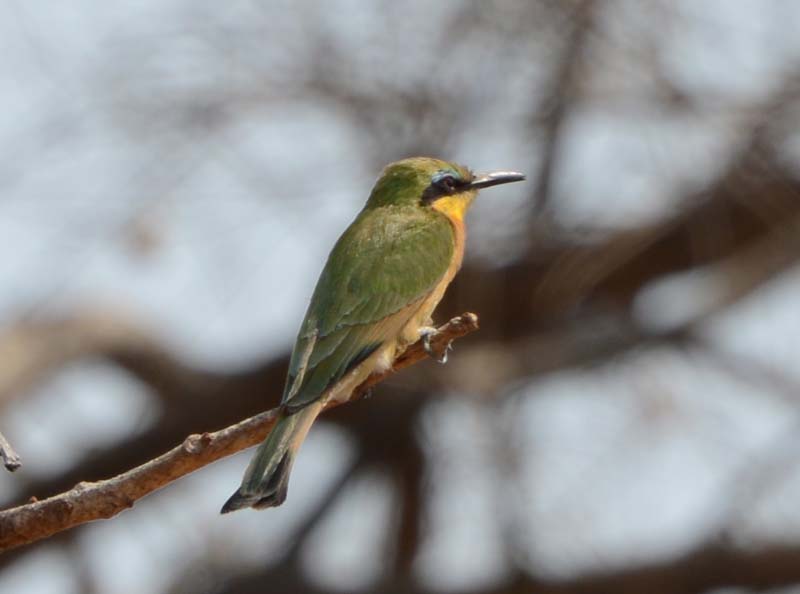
column 375, row 296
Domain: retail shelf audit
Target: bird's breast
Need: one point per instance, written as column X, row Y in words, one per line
column 422, row 317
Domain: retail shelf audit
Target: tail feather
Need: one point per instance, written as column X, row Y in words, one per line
column 266, row 481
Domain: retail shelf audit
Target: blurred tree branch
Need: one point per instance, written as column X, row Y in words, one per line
column 32, row 349
column 10, row 458
column 702, row 569
column 104, row 499
column 560, row 98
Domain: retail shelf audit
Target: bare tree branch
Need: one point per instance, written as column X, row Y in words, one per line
column 104, row 499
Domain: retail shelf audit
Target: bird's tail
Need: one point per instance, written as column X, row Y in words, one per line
column 266, row 481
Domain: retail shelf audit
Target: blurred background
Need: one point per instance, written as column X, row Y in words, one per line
column 173, row 174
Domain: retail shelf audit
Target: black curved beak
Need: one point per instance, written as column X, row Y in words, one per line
column 495, row 178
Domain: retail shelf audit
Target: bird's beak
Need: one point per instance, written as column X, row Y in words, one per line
column 495, row 178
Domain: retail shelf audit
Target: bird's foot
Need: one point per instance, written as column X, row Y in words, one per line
column 427, row 333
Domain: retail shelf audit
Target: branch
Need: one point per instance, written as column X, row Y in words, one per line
column 104, row 499
column 560, row 98
column 32, row 349
column 705, row 568
column 10, row 457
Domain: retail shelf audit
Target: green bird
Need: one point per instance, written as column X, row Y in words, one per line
column 375, row 296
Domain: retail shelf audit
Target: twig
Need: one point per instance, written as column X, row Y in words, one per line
column 104, row 499
column 10, row 458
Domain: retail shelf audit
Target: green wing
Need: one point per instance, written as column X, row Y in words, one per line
column 387, row 260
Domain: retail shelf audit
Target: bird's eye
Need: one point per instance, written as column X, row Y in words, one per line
column 447, row 183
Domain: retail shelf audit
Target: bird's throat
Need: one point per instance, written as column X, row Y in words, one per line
column 454, row 207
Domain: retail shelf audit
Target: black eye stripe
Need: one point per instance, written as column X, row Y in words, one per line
column 442, row 184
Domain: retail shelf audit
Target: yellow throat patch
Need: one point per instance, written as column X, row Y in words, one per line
column 455, row 206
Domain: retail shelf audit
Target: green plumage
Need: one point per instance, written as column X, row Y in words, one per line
column 382, row 280
column 381, row 283
column 389, row 258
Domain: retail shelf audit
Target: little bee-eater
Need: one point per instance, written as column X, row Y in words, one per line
column 376, row 294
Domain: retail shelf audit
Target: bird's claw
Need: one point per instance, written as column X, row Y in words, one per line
column 427, row 333
column 443, row 358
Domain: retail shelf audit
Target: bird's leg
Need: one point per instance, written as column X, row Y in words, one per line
column 426, row 333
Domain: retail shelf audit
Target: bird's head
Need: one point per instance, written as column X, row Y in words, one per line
column 432, row 183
